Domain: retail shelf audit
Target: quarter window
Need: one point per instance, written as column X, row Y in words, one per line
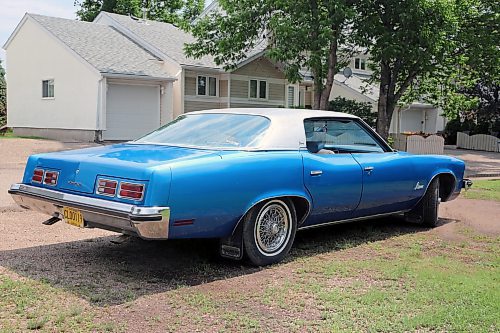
column 258, row 89
column 47, row 88
column 206, row 86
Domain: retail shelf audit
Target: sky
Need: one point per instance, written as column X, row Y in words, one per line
column 12, row 11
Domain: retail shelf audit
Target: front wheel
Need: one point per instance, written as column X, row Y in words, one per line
column 269, row 230
column 426, row 211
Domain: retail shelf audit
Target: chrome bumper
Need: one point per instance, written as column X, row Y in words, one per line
column 466, row 184
column 146, row 222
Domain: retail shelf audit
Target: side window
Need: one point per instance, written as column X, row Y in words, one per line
column 48, row 89
column 339, row 136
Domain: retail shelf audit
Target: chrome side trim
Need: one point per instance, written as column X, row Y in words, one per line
column 147, row 222
column 352, row 220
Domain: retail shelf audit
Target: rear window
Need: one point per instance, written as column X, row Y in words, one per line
column 211, row 130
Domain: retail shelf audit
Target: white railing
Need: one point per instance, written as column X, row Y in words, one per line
column 417, row 144
column 478, row 142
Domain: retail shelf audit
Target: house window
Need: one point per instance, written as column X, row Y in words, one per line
column 206, row 86
column 360, row 63
column 291, row 96
column 258, row 89
column 48, row 89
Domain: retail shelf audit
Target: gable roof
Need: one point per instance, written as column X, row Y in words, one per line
column 166, row 37
column 97, row 45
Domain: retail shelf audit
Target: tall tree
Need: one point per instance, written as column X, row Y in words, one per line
column 406, row 39
column 467, row 84
column 3, row 96
column 180, row 12
column 302, row 34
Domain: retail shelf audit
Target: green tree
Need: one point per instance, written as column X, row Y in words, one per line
column 406, row 39
column 360, row 109
column 303, row 34
column 3, row 96
column 180, row 12
column 467, row 84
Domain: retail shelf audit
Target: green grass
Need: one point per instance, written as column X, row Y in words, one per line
column 409, row 282
column 484, row 189
column 10, row 135
column 27, row 305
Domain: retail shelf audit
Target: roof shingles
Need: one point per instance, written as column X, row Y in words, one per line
column 98, row 45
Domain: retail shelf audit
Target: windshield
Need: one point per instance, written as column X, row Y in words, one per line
column 211, row 130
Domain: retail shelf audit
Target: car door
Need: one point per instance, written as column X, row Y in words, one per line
column 388, row 183
column 335, row 184
column 334, row 180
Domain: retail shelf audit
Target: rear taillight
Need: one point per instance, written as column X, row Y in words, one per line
column 131, row 191
column 107, row 187
column 51, row 178
column 37, row 176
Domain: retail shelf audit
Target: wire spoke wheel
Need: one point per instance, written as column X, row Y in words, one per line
column 272, row 229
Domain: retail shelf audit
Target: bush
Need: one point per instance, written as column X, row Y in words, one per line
column 360, row 109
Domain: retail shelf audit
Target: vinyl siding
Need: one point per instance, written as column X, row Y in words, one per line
column 190, row 106
column 249, row 105
column 223, row 88
column 239, row 88
column 260, row 67
column 190, row 86
column 277, row 92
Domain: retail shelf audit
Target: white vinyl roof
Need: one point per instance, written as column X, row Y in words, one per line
column 286, row 131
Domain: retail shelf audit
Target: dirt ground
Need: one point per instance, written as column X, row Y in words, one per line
column 135, row 278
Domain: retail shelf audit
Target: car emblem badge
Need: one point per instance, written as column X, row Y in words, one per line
column 74, row 183
column 419, row 186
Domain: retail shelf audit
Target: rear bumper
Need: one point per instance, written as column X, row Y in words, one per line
column 146, row 222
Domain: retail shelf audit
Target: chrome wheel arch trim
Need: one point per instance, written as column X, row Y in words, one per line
column 299, row 222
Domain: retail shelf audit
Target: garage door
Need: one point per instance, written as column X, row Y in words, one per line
column 131, row 111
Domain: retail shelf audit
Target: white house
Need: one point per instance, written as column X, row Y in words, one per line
column 67, row 81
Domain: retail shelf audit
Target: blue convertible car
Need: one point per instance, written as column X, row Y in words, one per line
column 249, row 177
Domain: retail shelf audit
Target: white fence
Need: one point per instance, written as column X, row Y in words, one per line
column 417, row 144
column 478, row 142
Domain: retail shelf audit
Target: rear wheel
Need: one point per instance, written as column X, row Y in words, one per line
column 269, row 230
column 426, row 212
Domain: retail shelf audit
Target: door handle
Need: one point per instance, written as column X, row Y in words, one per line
column 369, row 169
column 316, row 173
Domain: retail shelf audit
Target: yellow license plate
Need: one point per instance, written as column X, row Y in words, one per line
column 73, row 216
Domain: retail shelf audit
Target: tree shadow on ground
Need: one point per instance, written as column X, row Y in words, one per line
column 108, row 274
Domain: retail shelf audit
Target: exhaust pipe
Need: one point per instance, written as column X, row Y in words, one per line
column 51, row 221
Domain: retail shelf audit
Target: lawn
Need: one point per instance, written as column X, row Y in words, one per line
column 484, row 189
column 368, row 279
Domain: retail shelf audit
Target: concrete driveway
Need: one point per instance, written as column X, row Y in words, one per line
column 478, row 163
